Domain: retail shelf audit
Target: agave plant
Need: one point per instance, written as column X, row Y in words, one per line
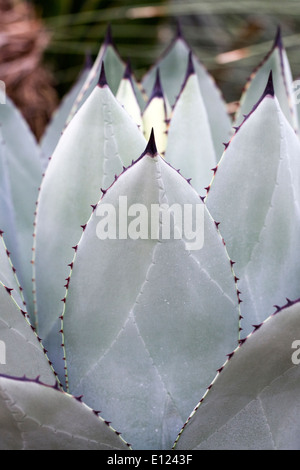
column 140, row 326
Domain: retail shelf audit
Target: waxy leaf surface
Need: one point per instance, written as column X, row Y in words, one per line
column 255, row 196
column 34, row 416
column 160, row 317
column 253, row 403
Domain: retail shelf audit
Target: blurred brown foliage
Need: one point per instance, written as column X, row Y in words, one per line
column 23, row 40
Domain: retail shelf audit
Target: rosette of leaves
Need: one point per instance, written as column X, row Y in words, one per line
column 140, row 327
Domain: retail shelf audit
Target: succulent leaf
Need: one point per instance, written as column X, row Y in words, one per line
column 172, row 66
column 190, row 146
column 35, row 416
column 219, row 119
column 127, row 279
column 115, row 68
column 259, row 215
column 276, row 61
column 127, row 97
column 155, row 116
column 22, row 175
column 7, row 214
column 8, row 275
column 253, row 403
column 24, row 353
column 59, row 120
column 95, row 146
column 150, row 340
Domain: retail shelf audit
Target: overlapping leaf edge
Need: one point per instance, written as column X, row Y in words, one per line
column 150, row 150
column 79, row 399
column 14, row 271
column 278, row 310
column 179, row 36
column 278, row 44
column 269, row 91
column 33, row 329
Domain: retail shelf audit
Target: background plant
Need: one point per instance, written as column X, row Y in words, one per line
column 230, row 38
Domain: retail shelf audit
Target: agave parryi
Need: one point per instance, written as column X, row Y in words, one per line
column 135, row 323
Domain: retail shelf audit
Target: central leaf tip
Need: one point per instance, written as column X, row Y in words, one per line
column 151, row 148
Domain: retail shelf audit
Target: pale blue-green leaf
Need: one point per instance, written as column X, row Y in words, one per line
column 296, row 96
column 22, row 351
column 99, row 140
column 255, row 196
column 219, row 120
column 160, row 318
column 139, row 93
column 172, row 67
column 114, row 67
column 24, row 173
column 89, row 84
column 34, row 416
column 7, row 214
column 277, row 61
column 253, row 403
column 127, row 97
column 190, row 147
column 8, row 276
column 155, row 117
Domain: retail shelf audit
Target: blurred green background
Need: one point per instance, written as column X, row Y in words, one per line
column 142, row 30
column 229, row 37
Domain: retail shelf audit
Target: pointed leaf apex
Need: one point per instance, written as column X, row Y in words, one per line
column 108, row 36
column 151, row 148
column 102, row 79
column 278, row 39
column 269, row 90
column 157, row 91
column 190, row 67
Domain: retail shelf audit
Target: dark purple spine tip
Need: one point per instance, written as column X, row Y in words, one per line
column 151, row 148
column 157, row 91
column 190, row 68
column 128, row 71
column 189, row 71
column 102, row 79
column 108, row 41
column 278, row 39
column 269, row 90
